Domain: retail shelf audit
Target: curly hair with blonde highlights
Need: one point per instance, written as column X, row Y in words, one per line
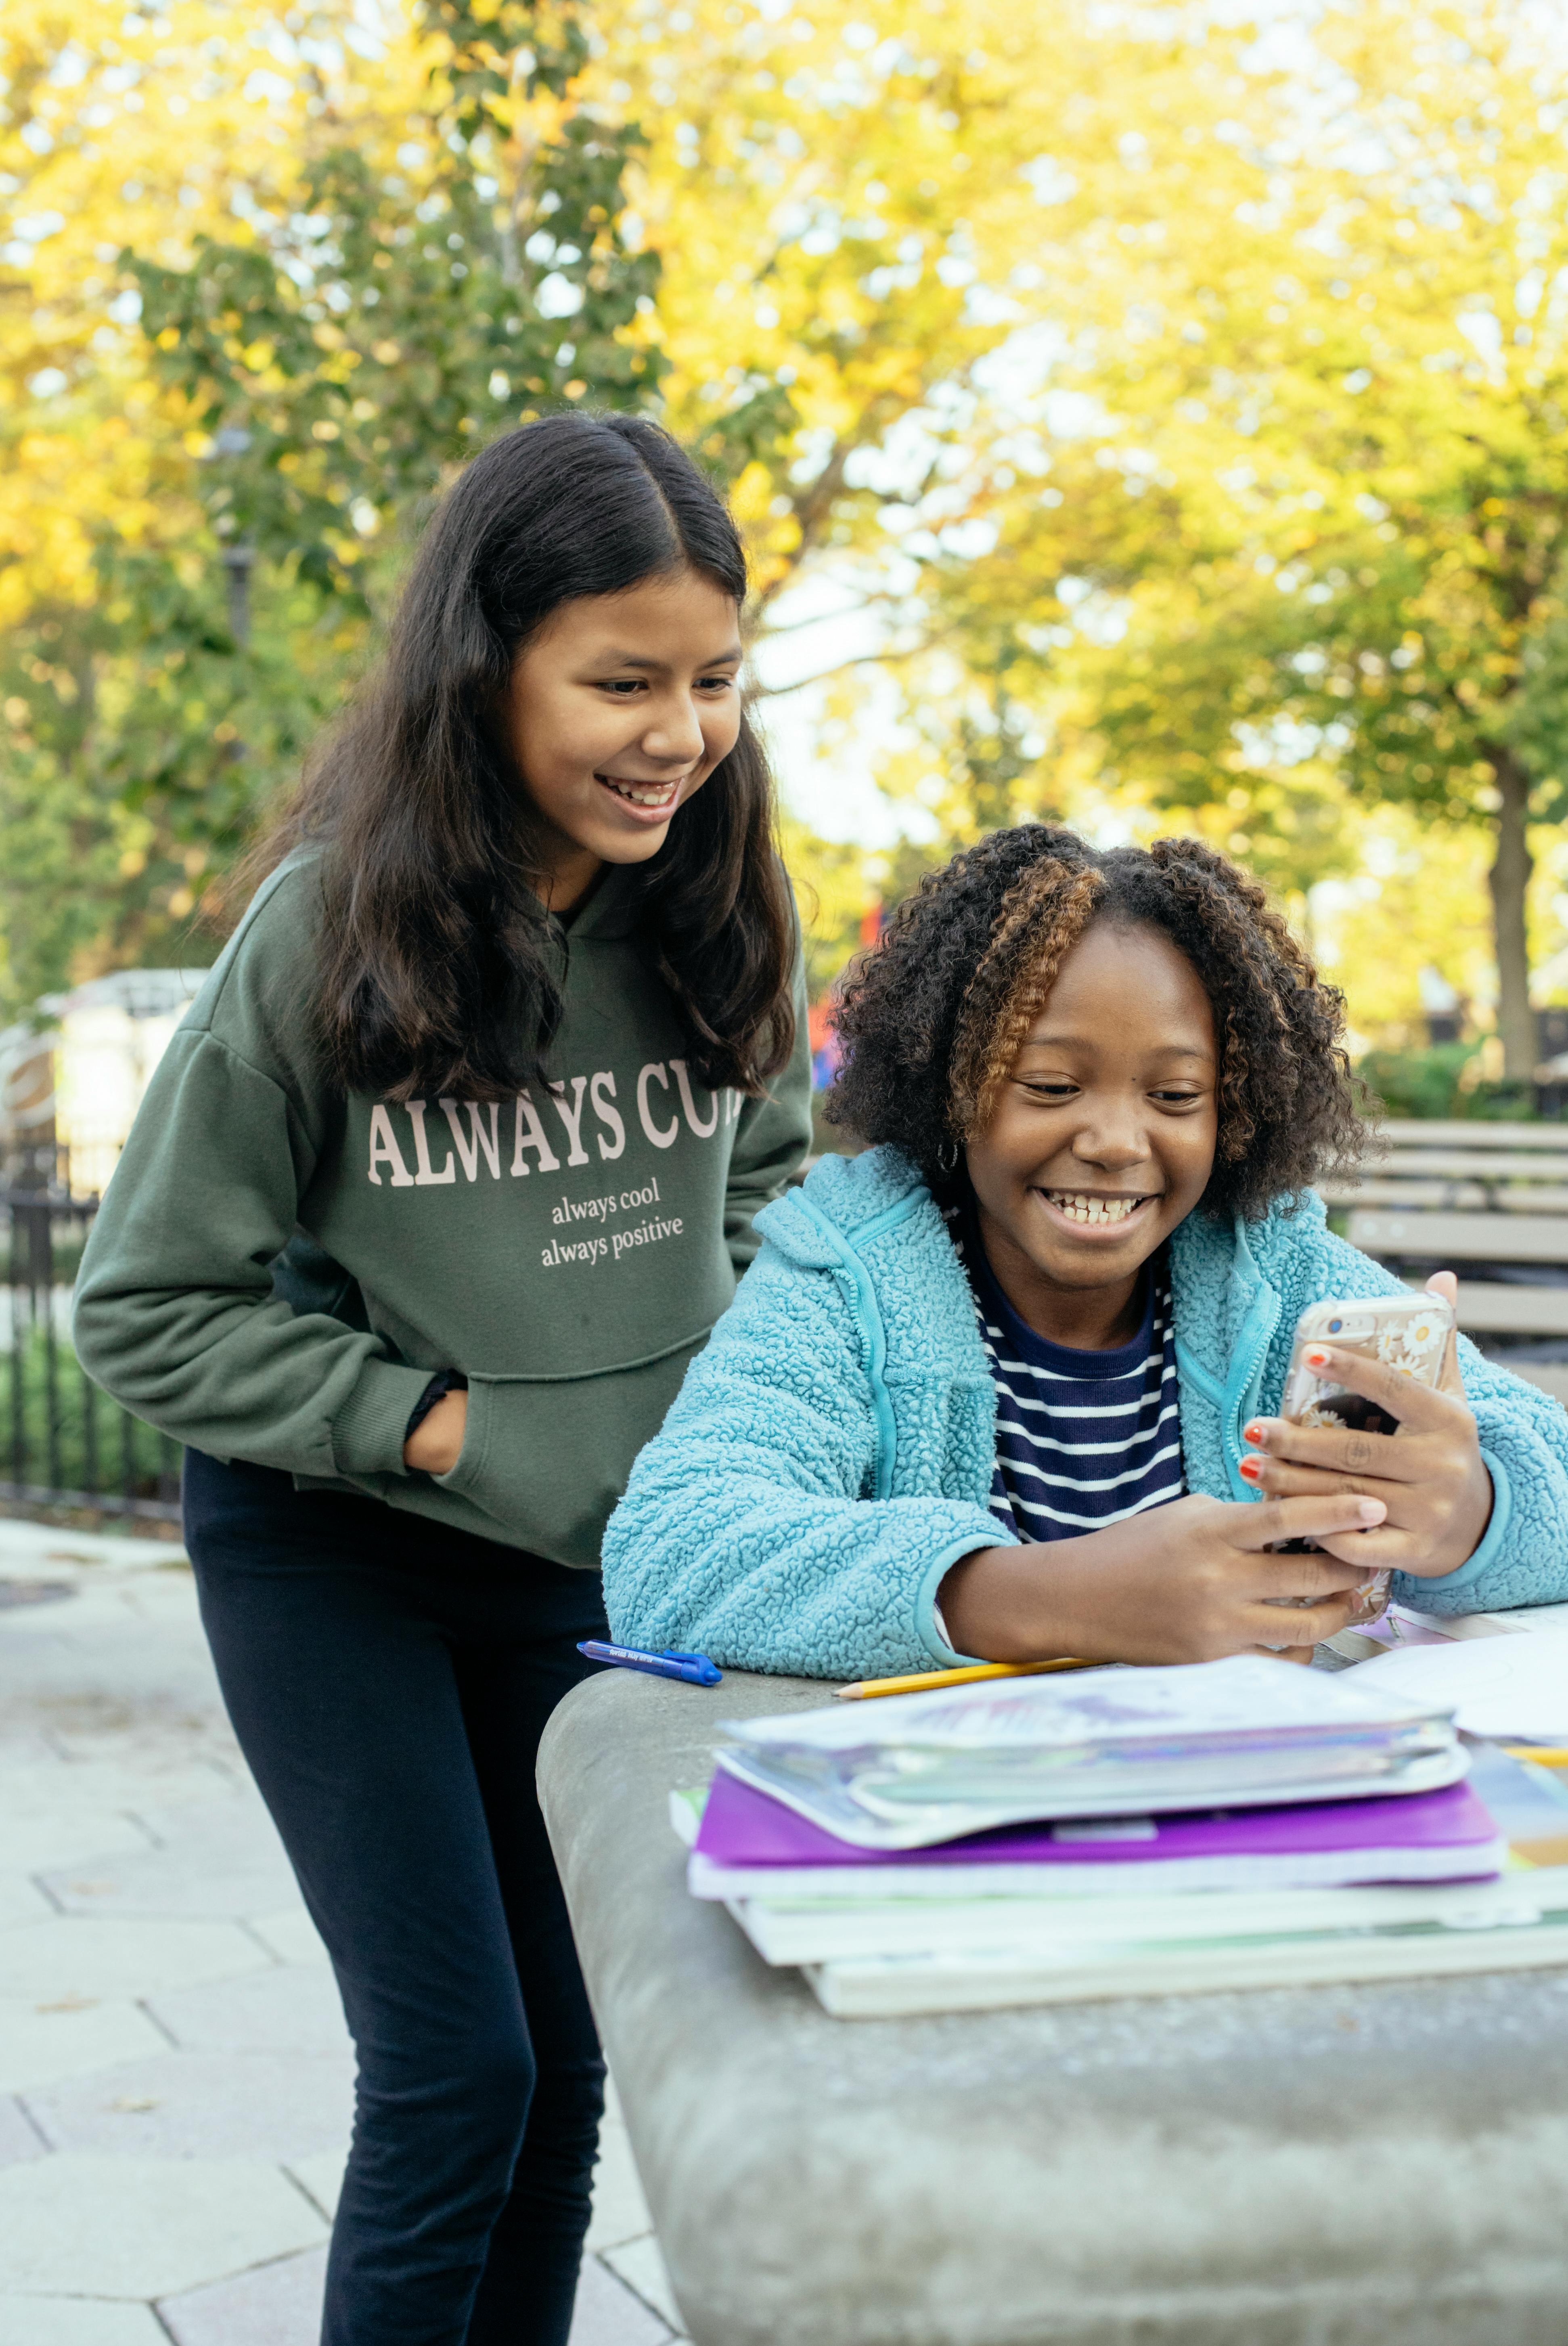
column 1043, row 917
column 932, row 1018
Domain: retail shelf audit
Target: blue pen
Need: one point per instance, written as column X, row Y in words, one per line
column 695, row 1668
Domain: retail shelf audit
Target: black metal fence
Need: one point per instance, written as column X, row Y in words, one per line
column 62, row 1442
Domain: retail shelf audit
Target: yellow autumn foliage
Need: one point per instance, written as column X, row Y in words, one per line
column 1090, row 361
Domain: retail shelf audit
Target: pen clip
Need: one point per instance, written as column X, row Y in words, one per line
column 697, row 1667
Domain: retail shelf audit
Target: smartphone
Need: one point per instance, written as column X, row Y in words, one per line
column 1408, row 1333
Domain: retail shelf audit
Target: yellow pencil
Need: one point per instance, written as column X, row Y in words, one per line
column 922, row 1681
column 1544, row 1755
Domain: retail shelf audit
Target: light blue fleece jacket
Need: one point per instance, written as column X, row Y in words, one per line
column 829, row 1456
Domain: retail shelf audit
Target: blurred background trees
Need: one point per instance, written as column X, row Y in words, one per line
column 1137, row 419
column 391, row 244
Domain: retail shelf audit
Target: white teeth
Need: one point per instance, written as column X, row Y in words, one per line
column 1080, row 1207
column 654, row 794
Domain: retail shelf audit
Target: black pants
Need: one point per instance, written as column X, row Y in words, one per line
column 389, row 1682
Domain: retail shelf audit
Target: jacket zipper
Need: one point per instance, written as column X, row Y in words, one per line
column 1231, row 1428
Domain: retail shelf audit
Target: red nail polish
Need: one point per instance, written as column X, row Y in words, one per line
column 1251, row 1469
column 1253, row 1432
column 1317, row 1358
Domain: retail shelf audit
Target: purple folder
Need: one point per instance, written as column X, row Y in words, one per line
column 741, row 1826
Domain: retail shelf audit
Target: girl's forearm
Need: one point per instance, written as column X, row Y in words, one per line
column 1182, row 1582
column 1018, row 1604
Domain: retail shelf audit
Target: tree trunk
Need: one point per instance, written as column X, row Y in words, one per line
column 1509, row 880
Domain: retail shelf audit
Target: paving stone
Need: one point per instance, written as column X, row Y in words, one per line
column 66, row 1833
column 21, row 1899
column 90, row 1608
column 140, row 1671
column 144, row 2227
column 124, row 1773
column 54, row 1576
column 50, row 1623
column 192, row 1758
column 24, row 1547
column 97, row 1724
column 76, row 2322
column 608, row 2314
column 639, row 2264
column 96, row 1670
column 277, row 2305
column 18, row 2140
column 276, row 2107
column 281, row 2305
column 37, row 2045
column 115, row 1669
column 224, row 1822
column 291, row 1935
column 292, row 2008
column 223, row 1858
column 620, row 2210
column 80, row 1956
column 323, row 2176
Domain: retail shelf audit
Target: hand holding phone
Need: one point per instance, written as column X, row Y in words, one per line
column 1187, row 1582
column 1383, row 1413
column 1411, row 1332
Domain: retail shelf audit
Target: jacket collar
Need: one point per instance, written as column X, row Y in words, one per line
column 848, row 1195
column 1227, row 1311
column 1226, row 1306
column 1208, row 1257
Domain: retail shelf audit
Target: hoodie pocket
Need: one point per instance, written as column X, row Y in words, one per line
column 547, row 1462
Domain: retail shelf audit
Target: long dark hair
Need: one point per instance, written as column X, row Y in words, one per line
column 434, row 975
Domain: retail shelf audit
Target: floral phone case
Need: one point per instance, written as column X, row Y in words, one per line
column 1408, row 1333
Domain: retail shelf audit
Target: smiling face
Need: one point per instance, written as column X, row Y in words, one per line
column 619, row 710
column 1103, row 1136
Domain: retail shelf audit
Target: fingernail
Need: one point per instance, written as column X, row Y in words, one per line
column 1317, row 1358
column 1253, row 1432
column 1371, row 1511
column 1250, row 1470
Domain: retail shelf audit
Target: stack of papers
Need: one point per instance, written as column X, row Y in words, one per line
column 1409, row 1625
column 1289, row 1827
column 748, row 1846
column 907, row 1770
column 1515, row 1686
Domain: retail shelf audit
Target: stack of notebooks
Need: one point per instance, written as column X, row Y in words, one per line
column 1129, row 1832
column 1403, row 1625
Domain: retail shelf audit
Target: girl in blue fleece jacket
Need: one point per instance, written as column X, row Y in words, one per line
column 1009, row 1382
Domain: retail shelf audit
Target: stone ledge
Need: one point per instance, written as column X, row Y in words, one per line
column 1378, row 2164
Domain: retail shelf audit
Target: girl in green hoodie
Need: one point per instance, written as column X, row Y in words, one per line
column 436, row 1192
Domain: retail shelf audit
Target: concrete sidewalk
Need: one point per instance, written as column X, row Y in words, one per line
column 176, row 2083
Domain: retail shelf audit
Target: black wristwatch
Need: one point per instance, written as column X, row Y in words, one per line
column 449, row 1380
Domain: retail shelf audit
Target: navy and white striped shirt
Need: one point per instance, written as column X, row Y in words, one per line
column 1083, row 1439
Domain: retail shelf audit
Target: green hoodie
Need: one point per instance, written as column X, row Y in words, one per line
column 567, row 1251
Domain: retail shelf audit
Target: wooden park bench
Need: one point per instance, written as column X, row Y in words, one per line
column 1494, row 1195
